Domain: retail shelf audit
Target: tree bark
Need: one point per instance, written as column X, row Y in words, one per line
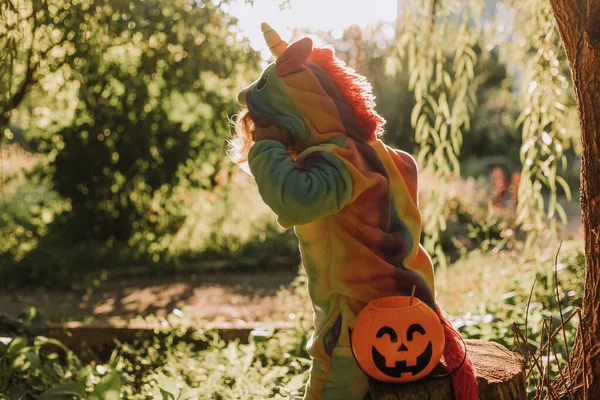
column 500, row 376
column 578, row 23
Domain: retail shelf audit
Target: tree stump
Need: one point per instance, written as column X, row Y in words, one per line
column 500, row 374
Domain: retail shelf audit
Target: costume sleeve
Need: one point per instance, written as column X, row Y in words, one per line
column 299, row 192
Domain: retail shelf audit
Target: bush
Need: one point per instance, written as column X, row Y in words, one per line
column 230, row 224
column 36, row 367
column 173, row 364
column 490, row 292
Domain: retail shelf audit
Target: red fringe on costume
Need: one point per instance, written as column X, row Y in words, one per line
column 355, row 89
column 464, row 380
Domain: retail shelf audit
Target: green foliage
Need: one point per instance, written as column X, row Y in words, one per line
column 217, row 227
column 127, row 108
column 445, row 98
column 155, row 91
column 466, row 103
column 493, row 311
column 35, row 367
column 544, row 121
column 26, row 217
column 175, row 363
column 131, row 114
column 494, row 139
column 179, row 363
column 471, row 221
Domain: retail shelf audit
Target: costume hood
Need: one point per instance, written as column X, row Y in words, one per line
column 312, row 93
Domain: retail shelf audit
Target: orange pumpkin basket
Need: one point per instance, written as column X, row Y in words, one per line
column 397, row 339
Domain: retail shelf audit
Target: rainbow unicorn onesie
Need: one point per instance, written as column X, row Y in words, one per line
column 352, row 201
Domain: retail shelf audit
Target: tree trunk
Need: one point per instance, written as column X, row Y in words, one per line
column 578, row 23
column 500, row 376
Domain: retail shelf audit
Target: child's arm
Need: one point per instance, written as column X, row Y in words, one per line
column 301, row 192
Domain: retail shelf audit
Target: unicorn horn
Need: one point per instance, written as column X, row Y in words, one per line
column 274, row 41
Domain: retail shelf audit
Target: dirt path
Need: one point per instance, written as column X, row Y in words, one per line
column 232, row 297
column 219, row 297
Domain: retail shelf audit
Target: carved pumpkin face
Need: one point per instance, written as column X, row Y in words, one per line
column 395, row 342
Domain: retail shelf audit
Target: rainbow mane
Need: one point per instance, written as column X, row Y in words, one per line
column 355, row 88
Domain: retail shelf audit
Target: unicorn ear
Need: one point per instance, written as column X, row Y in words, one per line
column 294, row 56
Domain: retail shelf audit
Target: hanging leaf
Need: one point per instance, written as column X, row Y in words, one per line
column 414, row 115
column 447, row 79
column 443, row 132
column 455, row 139
column 414, row 77
column 421, row 131
column 565, row 186
column 561, row 213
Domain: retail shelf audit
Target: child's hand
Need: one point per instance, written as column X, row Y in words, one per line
column 273, row 132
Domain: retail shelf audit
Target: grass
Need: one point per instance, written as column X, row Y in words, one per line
column 275, row 365
column 486, row 291
column 163, row 366
column 484, row 277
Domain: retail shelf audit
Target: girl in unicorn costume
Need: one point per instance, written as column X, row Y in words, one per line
column 310, row 138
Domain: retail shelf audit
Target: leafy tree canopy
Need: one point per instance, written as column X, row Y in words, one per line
column 129, row 99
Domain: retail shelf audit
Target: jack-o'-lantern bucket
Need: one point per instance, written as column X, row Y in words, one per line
column 397, row 339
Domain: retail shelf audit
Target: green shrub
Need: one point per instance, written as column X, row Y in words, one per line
column 175, row 363
column 35, row 367
column 230, row 223
column 505, row 301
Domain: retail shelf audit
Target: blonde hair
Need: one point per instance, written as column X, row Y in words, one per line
column 243, row 139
